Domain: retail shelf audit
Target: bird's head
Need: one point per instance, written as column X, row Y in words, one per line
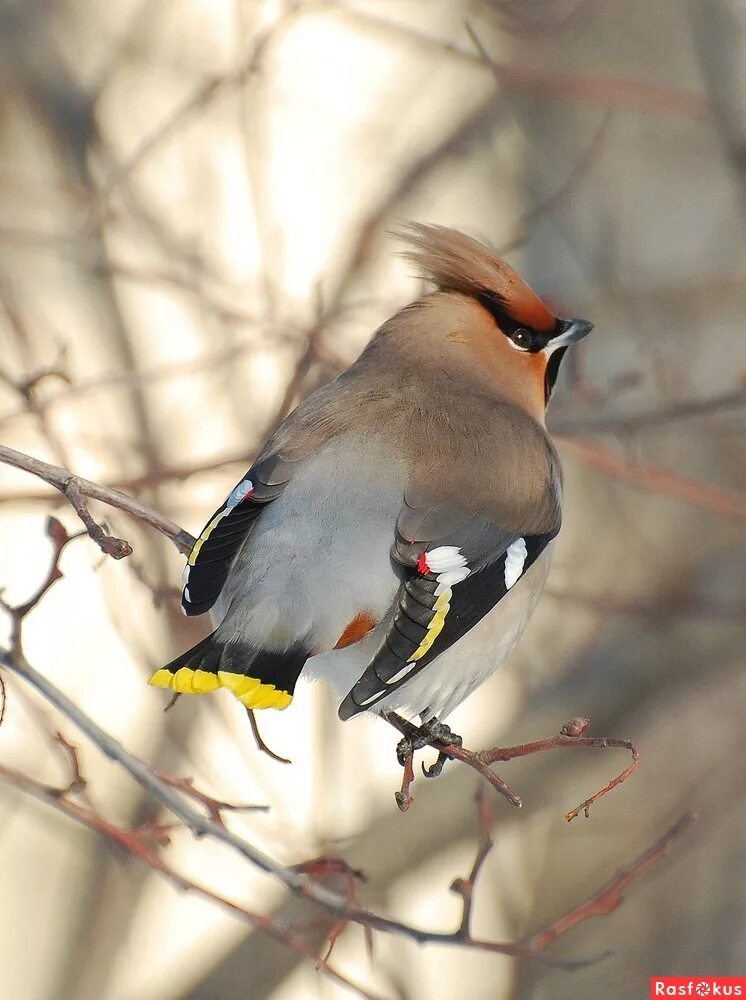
column 512, row 335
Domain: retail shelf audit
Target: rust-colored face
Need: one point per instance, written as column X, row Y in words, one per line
column 516, row 338
column 525, row 359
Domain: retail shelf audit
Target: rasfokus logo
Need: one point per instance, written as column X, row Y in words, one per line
column 698, row 986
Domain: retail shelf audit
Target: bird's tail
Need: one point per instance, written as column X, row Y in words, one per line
column 259, row 678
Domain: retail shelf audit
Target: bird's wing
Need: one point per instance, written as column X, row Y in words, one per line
column 210, row 560
column 456, row 566
column 320, row 417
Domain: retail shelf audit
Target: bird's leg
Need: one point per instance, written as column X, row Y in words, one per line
column 416, row 737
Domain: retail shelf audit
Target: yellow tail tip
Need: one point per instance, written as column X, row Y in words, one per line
column 161, row 679
column 253, row 693
column 250, row 691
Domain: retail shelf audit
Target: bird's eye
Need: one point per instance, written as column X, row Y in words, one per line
column 521, row 338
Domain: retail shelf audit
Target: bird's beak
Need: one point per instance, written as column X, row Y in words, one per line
column 570, row 332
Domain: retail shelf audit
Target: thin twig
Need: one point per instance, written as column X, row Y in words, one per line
column 142, row 843
column 61, row 479
column 578, row 172
column 600, row 423
column 620, row 93
column 656, row 479
column 607, row 899
column 404, row 798
column 261, row 745
column 202, row 826
column 57, row 534
column 215, row 807
column 616, row 93
column 453, row 752
column 571, row 735
column 330, row 867
column 77, row 781
column 117, row 548
column 465, row 887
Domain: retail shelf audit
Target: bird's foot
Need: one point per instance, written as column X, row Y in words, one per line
column 432, row 731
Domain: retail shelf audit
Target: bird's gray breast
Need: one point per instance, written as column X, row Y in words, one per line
column 319, row 554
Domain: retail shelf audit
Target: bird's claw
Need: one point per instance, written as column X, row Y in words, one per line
column 430, row 732
column 434, row 770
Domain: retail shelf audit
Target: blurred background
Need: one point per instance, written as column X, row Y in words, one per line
column 193, row 204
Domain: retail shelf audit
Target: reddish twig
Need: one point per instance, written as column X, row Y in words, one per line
column 680, row 605
column 404, row 798
column 626, row 422
column 261, row 745
column 214, row 807
column 325, row 868
column 655, row 479
column 57, row 534
column 465, row 887
column 571, row 735
column 77, row 781
column 607, row 899
column 143, row 843
column 623, row 94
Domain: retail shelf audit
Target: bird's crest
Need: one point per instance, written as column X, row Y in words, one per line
column 457, row 263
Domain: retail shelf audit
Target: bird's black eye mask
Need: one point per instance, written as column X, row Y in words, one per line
column 525, row 337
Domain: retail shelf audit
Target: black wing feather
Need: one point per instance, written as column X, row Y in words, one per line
column 214, row 551
column 485, row 548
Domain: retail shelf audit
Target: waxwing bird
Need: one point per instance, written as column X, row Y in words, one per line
column 393, row 536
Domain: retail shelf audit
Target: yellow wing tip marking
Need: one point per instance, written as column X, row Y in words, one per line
column 442, row 607
column 207, row 531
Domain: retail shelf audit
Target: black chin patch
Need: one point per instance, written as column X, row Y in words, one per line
column 552, row 371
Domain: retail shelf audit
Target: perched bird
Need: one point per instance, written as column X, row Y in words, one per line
column 393, row 536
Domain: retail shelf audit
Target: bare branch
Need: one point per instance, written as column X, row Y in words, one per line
column 117, row 548
column 465, row 887
column 571, row 735
column 595, row 90
column 624, row 94
column 59, row 538
column 215, row 807
column 142, row 843
column 202, row 826
column 627, row 422
column 175, row 794
column 63, row 481
column 404, row 798
column 607, row 899
column 655, row 479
